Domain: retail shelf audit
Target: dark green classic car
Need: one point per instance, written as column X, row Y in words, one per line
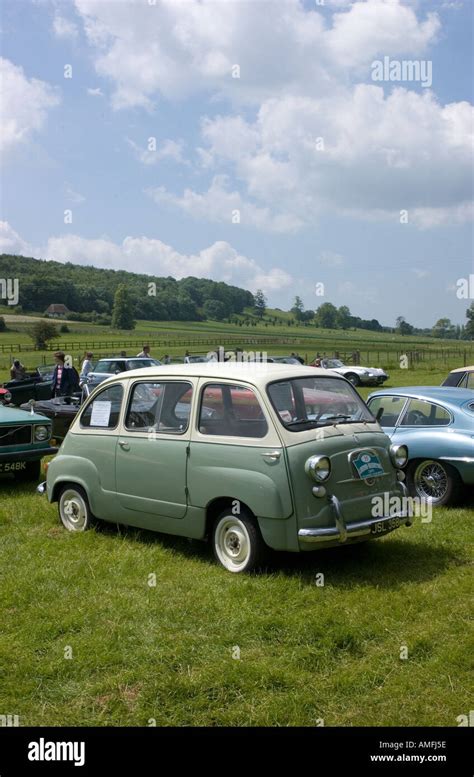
column 24, row 440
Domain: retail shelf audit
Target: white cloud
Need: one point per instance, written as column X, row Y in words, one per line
column 330, row 259
column 74, row 196
column 12, row 243
column 385, row 149
column 219, row 204
column 25, row 103
column 169, row 149
column 220, row 261
column 175, row 48
column 63, row 28
column 361, row 153
column 379, row 27
column 97, row 92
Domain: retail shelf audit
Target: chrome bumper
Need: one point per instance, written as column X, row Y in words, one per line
column 41, row 488
column 343, row 531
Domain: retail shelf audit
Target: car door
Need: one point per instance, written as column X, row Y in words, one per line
column 422, row 427
column 151, row 457
column 236, row 452
column 390, row 407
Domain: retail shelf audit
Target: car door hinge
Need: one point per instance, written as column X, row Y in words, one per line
column 188, row 450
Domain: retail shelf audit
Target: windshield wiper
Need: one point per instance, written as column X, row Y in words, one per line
column 298, row 421
column 336, row 415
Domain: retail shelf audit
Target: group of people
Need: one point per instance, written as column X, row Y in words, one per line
column 66, row 379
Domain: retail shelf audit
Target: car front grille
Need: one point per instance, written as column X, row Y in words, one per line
column 15, row 435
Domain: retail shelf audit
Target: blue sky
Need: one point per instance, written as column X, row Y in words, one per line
column 292, row 174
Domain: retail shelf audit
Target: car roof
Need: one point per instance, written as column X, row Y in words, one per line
column 126, row 358
column 448, row 394
column 463, row 369
column 255, row 372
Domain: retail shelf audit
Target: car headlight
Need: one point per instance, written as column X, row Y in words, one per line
column 42, row 433
column 318, row 467
column 7, row 397
column 399, row 455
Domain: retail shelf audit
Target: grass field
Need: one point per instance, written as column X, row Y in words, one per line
column 308, row 653
column 165, row 653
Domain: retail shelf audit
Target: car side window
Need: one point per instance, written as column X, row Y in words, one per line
column 164, row 408
column 118, row 366
column 422, row 413
column 391, row 409
column 231, row 410
column 102, row 367
column 470, row 380
column 104, row 410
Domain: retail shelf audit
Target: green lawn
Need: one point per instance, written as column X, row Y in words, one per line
column 307, row 652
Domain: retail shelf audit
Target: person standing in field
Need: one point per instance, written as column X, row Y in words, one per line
column 145, row 354
column 65, row 377
column 86, row 368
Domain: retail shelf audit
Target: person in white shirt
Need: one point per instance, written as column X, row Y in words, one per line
column 145, row 354
column 86, row 368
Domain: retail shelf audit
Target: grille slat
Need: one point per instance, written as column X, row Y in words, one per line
column 15, row 435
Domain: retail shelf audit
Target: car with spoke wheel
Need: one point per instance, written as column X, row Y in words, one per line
column 252, row 457
column 436, row 423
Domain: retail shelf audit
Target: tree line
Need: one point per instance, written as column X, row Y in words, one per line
column 89, row 292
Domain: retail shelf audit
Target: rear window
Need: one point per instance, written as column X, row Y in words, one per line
column 305, row 403
column 453, row 379
column 104, row 410
column 421, row 413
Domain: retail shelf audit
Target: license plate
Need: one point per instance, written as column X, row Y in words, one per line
column 367, row 465
column 383, row 527
column 12, row 466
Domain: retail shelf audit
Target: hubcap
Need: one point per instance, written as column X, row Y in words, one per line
column 431, row 481
column 73, row 511
column 232, row 543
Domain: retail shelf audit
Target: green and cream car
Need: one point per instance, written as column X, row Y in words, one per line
column 251, row 456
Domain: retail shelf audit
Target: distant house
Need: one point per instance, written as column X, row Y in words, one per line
column 57, row 311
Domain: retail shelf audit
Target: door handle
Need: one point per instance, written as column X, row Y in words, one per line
column 124, row 445
column 271, row 455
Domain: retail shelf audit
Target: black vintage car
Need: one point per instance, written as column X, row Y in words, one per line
column 61, row 410
column 37, row 385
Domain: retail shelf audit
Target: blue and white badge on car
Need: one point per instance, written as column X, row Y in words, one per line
column 367, row 465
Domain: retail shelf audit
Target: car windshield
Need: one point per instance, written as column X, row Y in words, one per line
column 331, row 364
column 303, row 403
column 453, row 379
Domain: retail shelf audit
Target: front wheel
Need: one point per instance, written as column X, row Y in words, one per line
column 433, row 481
column 353, row 378
column 237, row 542
column 74, row 510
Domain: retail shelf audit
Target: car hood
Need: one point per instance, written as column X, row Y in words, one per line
column 13, row 415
